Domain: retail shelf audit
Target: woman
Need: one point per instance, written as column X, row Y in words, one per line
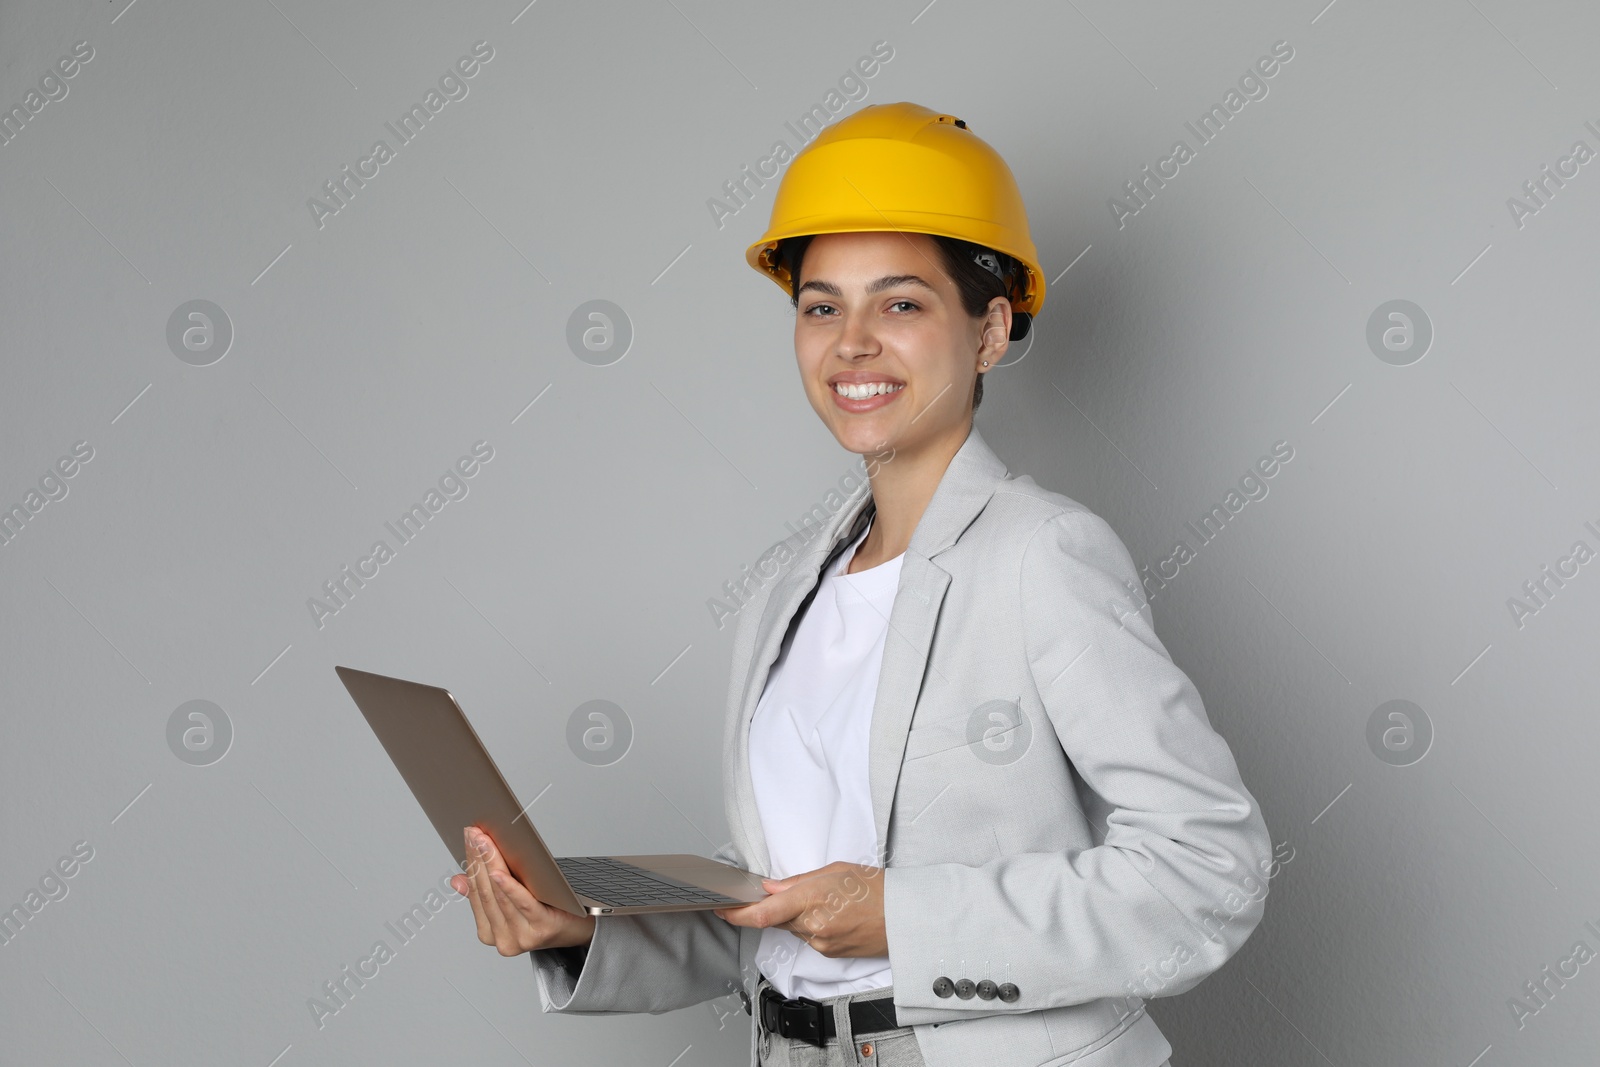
column 997, row 814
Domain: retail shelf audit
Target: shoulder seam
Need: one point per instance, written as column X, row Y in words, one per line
column 1043, row 500
column 1058, row 512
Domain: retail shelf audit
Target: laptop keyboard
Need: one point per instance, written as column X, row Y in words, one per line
column 623, row 885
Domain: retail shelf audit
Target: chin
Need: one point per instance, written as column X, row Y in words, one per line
column 864, row 437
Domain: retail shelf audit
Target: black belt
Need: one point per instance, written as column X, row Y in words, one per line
column 811, row 1021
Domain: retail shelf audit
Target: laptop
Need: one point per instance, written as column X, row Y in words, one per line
column 453, row 777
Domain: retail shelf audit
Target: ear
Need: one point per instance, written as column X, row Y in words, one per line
column 996, row 333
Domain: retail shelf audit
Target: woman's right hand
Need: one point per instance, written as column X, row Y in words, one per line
column 509, row 917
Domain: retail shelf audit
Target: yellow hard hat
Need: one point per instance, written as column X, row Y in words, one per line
column 903, row 167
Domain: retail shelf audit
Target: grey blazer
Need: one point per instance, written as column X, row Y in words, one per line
column 1055, row 813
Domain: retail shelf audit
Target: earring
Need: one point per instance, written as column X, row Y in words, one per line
column 985, row 363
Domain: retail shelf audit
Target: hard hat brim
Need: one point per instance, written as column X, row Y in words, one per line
column 924, row 222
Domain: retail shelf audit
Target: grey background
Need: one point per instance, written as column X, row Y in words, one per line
column 368, row 355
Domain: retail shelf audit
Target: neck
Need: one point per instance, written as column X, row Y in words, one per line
column 902, row 486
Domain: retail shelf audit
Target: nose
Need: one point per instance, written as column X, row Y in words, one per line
column 856, row 337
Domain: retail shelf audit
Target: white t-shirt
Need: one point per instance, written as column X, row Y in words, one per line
column 808, row 759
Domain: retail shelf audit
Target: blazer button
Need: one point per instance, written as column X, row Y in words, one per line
column 1009, row 993
column 745, row 999
column 987, row 989
column 965, row 987
column 943, row 987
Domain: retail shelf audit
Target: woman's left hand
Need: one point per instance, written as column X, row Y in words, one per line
column 837, row 909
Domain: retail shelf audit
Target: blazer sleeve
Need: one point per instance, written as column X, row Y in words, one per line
column 1165, row 893
column 642, row 963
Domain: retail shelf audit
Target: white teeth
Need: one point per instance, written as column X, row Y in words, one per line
column 866, row 389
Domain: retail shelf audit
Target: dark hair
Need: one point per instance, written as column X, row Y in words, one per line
column 976, row 284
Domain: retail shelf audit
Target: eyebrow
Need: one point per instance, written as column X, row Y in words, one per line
column 888, row 281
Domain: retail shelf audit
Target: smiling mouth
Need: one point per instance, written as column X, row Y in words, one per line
column 865, row 390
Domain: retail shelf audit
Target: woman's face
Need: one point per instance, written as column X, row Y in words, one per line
column 878, row 308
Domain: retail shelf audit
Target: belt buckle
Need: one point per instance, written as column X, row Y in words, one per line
column 795, row 1017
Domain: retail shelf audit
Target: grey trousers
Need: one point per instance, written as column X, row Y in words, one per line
column 883, row 1048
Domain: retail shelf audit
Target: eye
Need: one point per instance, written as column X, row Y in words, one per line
column 908, row 303
column 814, row 307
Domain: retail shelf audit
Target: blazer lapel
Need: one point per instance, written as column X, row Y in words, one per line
column 968, row 483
